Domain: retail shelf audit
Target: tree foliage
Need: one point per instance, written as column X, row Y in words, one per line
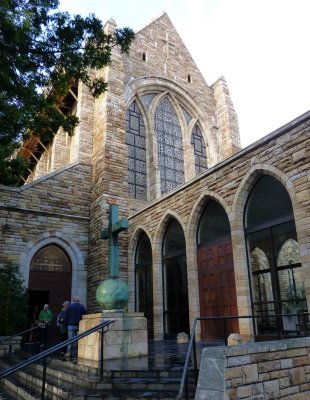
column 13, row 300
column 41, row 51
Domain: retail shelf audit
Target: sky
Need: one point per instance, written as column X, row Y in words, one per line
column 261, row 47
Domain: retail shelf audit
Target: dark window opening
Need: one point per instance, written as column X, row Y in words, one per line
column 144, row 282
column 176, row 309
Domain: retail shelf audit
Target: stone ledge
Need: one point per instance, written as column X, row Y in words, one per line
column 249, row 370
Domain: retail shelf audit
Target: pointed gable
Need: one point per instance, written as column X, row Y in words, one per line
column 162, row 53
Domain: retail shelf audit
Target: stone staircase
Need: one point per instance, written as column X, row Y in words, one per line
column 71, row 380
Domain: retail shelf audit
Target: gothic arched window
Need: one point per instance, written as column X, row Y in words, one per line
column 135, row 140
column 274, row 256
column 200, row 152
column 170, row 146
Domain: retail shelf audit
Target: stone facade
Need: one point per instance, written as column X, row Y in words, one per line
column 51, row 210
column 66, row 198
column 260, row 371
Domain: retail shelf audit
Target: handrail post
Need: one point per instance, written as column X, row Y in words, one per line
column 225, row 331
column 43, row 379
column 186, row 387
column 195, row 359
column 101, row 354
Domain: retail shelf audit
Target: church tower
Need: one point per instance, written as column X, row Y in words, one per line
column 157, row 127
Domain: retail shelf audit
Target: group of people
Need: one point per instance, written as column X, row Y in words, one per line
column 67, row 322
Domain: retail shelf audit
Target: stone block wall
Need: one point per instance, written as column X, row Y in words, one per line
column 256, row 371
column 51, row 210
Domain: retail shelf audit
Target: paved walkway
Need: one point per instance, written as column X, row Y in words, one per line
column 163, row 355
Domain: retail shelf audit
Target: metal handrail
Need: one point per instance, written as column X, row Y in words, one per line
column 55, row 348
column 17, row 334
column 192, row 344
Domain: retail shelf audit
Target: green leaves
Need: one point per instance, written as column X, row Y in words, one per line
column 13, row 300
column 42, row 48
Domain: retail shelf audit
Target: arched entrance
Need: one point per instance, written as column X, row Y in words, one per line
column 144, row 282
column 176, row 310
column 274, row 260
column 217, row 289
column 50, row 279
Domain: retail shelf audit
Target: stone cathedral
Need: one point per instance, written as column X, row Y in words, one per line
column 214, row 229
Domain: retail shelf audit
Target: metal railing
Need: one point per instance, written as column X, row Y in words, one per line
column 19, row 334
column 6, row 338
column 103, row 327
column 183, row 390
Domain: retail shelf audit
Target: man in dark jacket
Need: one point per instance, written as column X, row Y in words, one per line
column 72, row 317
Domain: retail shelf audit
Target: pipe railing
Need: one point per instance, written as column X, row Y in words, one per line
column 7, row 338
column 19, row 334
column 103, row 327
column 183, row 391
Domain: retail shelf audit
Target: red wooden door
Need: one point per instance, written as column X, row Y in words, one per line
column 217, row 288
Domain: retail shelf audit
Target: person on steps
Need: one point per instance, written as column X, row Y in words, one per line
column 45, row 319
column 73, row 316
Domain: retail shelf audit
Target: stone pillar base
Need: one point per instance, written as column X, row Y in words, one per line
column 126, row 337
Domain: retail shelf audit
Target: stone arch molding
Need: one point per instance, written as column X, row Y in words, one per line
column 139, row 230
column 140, row 86
column 197, row 209
column 162, row 226
column 250, row 179
column 67, row 244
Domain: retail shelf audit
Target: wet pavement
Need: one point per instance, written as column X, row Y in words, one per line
column 163, row 355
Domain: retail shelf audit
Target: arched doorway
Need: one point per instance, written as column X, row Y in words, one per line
column 176, row 311
column 274, row 262
column 217, row 288
column 144, row 282
column 50, row 279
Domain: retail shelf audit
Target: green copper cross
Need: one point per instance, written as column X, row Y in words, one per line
column 111, row 233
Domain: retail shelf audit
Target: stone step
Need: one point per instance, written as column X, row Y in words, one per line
column 69, row 380
column 121, row 382
column 5, row 395
column 16, row 390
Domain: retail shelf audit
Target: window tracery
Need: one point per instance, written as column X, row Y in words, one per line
column 147, row 99
column 169, row 146
column 136, row 143
column 200, row 152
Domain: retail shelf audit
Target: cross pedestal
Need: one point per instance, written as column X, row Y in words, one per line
column 127, row 336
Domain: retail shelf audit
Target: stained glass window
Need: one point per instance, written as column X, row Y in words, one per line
column 170, row 146
column 200, row 152
column 135, row 140
column 147, row 99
